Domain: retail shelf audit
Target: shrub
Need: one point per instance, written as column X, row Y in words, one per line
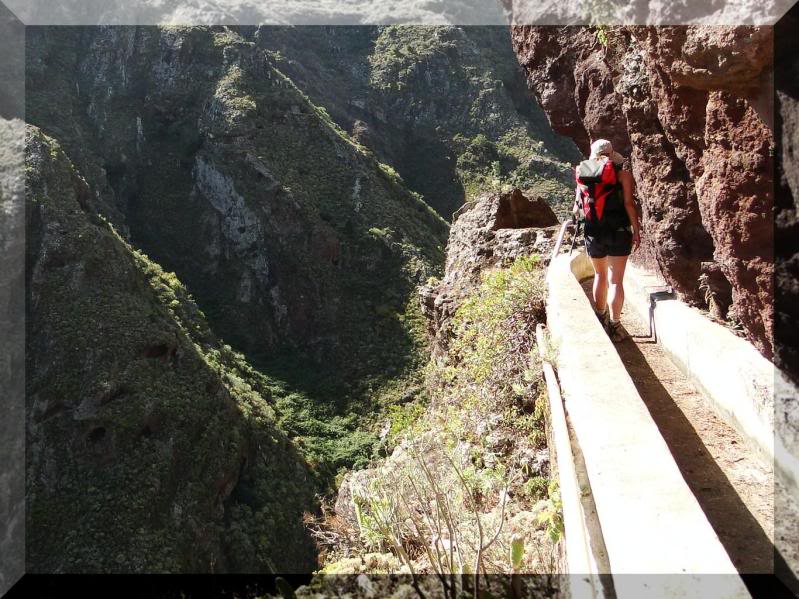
column 460, row 488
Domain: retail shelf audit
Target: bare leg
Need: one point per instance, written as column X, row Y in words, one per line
column 616, row 266
column 600, row 283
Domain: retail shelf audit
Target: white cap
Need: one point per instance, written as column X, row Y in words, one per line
column 602, row 147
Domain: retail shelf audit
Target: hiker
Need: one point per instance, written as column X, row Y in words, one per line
column 604, row 195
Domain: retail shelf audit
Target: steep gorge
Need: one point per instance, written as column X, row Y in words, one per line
column 220, row 169
column 302, row 252
column 222, row 287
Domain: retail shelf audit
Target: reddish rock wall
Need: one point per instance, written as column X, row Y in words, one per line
column 691, row 108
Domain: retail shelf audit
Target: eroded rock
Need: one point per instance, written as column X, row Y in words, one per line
column 495, row 229
column 686, row 104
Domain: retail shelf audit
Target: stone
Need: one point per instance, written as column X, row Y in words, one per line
column 494, row 229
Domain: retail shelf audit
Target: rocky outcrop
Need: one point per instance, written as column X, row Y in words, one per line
column 491, row 231
column 690, row 108
column 483, row 420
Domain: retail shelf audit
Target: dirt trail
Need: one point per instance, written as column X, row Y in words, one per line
column 733, row 486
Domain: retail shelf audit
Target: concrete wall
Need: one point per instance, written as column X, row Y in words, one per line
column 786, row 432
column 651, row 522
column 736, row 379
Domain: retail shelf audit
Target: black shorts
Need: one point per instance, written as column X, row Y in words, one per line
column 609, row 243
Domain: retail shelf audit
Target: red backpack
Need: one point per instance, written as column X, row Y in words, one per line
column 600, row 193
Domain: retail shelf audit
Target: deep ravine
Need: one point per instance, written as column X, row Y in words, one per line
column 222, row 278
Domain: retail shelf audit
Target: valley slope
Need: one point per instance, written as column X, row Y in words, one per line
column 223, row 264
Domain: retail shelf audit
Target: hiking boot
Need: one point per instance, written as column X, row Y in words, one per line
column 604, row 318
column 616, row 332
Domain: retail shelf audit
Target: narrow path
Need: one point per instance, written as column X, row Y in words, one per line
column 733, row 486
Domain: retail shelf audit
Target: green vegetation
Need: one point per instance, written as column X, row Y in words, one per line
column 402, row 418
column 173, row 459
column 492, row 359
column 206, row 162
column 423, row 94
column 552, row 516
column 602, row 15
column 463, row 484
column 492, row 142
column 514, row 161
column 401, row 51
column 354, row 336
column 479, row 164
column 602, row 35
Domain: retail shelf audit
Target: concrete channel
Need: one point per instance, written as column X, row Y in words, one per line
column 633, row 524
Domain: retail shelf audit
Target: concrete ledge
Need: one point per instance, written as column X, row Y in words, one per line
column 580, row 557
column 651, row 522
column 730, row 372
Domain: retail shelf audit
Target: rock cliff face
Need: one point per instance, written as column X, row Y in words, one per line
column 489, row 232
column 690, row 107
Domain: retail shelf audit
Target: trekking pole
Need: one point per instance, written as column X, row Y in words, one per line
column 559, row 240
column 576, row 233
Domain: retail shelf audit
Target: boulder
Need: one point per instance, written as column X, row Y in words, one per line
column 493, row 230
